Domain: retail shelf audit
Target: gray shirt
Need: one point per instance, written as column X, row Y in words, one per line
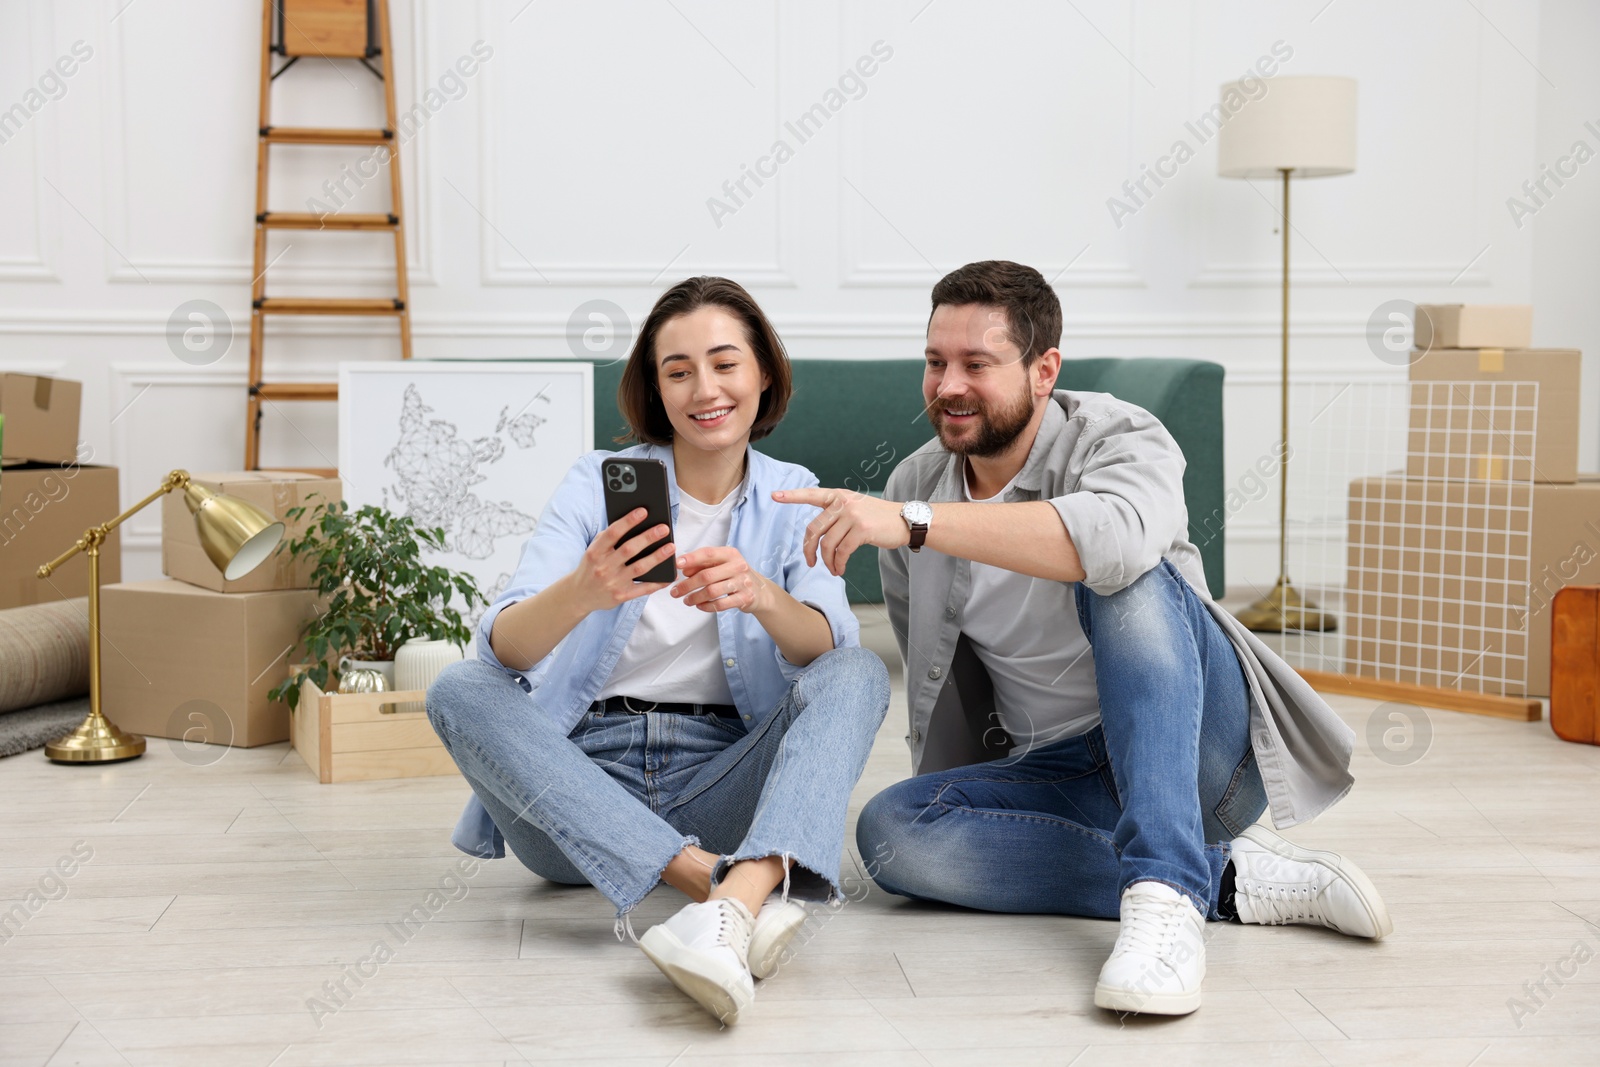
column 1043, row 676
column 1115, row 476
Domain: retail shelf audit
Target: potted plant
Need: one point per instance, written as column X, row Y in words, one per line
column 378, row 593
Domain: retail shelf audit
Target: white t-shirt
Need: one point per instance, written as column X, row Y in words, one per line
column 1044, row 686
column 674, row 653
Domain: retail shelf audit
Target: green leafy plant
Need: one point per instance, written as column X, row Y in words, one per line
column 377, row 591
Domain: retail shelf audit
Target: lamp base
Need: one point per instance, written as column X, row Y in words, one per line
column 1283, row 610
column 96, row 740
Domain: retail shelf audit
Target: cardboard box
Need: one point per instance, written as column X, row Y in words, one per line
column 44, row 509
column 1449, row 585
column 41, row 418
column 359, row 737
column 1473, row 326
column 1470, row 421
column 274, row 492
column 184, row 662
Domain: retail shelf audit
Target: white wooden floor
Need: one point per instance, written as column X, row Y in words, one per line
column 219, row 900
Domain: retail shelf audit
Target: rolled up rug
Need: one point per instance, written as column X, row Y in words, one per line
column 44, row 653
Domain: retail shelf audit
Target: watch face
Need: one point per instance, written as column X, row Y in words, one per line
column 916, row 511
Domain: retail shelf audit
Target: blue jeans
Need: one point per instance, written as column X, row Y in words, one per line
column 611, row 803
column 1154, row 792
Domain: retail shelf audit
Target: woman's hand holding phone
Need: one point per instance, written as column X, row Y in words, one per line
column 605, row 578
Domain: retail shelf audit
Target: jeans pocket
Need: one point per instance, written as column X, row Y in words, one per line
column 1245, row 798
column 733, row 727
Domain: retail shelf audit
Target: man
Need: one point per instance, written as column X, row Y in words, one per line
column 1090, row 734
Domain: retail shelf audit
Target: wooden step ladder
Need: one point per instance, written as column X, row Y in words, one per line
column 331, row 29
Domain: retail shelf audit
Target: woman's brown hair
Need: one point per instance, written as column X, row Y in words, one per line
column 639, row 397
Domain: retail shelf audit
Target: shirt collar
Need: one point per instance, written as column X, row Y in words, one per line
column 1055, row 421
column 664, row 453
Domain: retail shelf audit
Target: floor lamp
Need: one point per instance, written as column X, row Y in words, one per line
column 236, row 535
column 1300, row 127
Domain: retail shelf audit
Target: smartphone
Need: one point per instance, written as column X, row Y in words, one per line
column 636, row 483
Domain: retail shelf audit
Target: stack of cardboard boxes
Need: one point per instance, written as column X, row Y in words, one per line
column 49, row 493
column 1453, row 564
column 191, row 656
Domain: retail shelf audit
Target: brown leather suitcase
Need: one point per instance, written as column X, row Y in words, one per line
column 1575, row 664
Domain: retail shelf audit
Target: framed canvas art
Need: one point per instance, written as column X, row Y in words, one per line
column 475, row 448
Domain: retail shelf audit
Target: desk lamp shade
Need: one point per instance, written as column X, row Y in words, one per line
column 237, row 535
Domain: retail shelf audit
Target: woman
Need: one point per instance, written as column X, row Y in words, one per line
column 704, row 732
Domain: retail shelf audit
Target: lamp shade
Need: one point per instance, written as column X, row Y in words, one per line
column 237, row 535
column 1304, row 124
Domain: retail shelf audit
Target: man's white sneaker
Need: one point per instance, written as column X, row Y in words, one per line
column 704, row 950
column 1277, row 882
column 776, row 924
column 1159, row 959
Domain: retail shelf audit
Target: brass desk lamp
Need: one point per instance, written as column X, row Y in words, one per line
column 237, row 537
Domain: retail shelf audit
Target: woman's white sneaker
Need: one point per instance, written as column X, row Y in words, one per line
column 1159, row 959
column 1277, row 882
column 704, row 950
column 776, row 924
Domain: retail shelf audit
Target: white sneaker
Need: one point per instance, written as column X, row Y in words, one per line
column 1278, row 882
column 1159, row 959
column 704, row 949
column 776, row 924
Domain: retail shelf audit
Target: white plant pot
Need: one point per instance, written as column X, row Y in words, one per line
column 419, row 661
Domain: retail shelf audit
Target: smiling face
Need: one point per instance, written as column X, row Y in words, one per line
column 979, row 395
column 709, row 379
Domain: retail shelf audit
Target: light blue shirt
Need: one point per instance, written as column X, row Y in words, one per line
column 770, row 536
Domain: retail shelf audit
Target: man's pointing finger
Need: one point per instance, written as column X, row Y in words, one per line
column 815, row 497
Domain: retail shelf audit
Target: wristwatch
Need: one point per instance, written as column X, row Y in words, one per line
column 918, row 516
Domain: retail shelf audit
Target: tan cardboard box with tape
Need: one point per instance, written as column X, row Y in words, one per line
column 41, row 419
column 1473, row 326
column 188, row 663
column 44, row 509
column 1450, row 583
column 274, row 492
column 1473, row 418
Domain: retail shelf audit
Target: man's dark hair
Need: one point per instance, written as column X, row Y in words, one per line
column 1033, row 311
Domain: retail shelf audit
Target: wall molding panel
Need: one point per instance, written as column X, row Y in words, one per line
column 576, row 163
column 412, row 62
column 42, row 143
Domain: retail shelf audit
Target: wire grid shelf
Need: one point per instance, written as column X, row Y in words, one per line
column 1410, row 520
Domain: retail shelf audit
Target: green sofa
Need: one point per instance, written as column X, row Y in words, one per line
column 850, row 421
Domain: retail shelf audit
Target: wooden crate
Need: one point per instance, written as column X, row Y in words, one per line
column 359, row 737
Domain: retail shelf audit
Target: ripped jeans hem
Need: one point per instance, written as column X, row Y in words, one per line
column 624, row 923
column 800, row 879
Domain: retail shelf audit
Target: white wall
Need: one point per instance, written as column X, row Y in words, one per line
column 1565, row 232
column 578, row 161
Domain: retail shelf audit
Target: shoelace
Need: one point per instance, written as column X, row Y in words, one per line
column 1278, row 905
column 1150, row 926
column 733, row 922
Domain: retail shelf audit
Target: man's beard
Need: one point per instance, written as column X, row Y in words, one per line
column 997, row 427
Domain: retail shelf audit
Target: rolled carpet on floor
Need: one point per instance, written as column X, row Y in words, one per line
column 44, row 653
column 44, row 673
